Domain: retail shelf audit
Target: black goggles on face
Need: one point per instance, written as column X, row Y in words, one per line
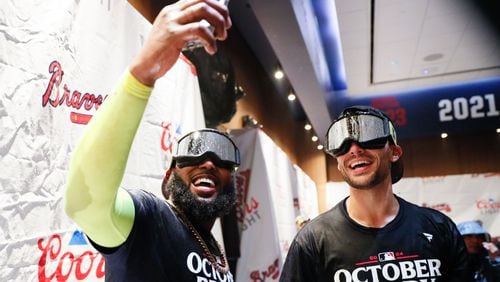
column 198, row 146
column 368, row 130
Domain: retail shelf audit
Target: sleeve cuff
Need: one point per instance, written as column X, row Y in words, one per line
column 134, row 87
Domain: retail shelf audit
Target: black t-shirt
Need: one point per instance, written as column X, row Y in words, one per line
column 159, row 248
column 420, row 244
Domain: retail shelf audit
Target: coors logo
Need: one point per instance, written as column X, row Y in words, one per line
column 244, row 206
column 76, row 263
column 247, row 212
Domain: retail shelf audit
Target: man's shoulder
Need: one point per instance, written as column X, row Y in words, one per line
column 429, row 213
column 142, row 194
column 326, row 221
column 146, row 200
column 332, row 213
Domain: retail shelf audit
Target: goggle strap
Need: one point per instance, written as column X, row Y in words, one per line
column 392, row 132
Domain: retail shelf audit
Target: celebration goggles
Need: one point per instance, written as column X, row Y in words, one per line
column 196, row 147
column 367, row 126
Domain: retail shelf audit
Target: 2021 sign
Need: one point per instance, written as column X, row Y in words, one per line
column 461, row 108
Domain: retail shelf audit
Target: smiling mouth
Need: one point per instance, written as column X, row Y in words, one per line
column 358, row 164
column 204, row 182
column 205, row 187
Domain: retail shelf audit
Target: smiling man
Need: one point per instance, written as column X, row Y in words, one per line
column 143, row 237
column 200, row 179
column 374, row 235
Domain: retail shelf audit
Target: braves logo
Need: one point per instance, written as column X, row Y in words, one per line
column 71, row 99
column 272, row 272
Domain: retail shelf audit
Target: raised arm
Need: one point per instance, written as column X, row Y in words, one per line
column 93, row 198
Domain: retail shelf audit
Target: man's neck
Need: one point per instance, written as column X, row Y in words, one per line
column 375, row 207
column 205, row 226
column 201, row 226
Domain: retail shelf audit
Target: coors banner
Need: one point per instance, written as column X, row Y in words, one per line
column 60, row 62
column 269, row 193
column 461, row 197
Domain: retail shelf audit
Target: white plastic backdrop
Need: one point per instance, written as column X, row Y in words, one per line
column 461, row 197
column 271, row 193
column 59, row 60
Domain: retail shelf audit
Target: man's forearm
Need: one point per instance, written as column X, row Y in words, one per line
column 98, row 164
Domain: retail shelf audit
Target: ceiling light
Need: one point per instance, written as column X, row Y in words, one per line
column 498, row 130
column 320, row 147
column 250, row 122
column 291, row 97
column 432, row 70
column 444, row 135
column 307, row 126
column 433, row 57
column 314, row 138
column 278, row 74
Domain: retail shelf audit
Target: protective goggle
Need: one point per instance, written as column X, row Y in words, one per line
column 368, row 130
column 198, row 146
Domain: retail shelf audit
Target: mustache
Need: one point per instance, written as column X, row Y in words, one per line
column 194, row 208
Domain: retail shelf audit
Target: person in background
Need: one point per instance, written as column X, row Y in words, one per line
column 374, row 235
column 484, row 255
column 143, row 237
column 301, row 221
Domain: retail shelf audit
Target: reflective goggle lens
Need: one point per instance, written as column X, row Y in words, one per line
column 365, row 129
column 198, row 146
column 378, row 143
column 181, row 162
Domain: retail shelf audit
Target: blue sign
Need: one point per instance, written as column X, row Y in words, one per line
column 458, row 108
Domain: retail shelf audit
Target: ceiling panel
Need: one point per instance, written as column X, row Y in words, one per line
column 422, row 39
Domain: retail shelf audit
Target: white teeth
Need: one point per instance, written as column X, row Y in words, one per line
column 205, row 181
column 353, row 165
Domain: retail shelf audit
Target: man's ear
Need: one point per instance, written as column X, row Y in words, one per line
column 164, row 189
column 164, row 185
column 397, row 152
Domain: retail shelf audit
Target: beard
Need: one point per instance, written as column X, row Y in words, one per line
column 199, row 210
column 368, row 181
column 364, row 184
